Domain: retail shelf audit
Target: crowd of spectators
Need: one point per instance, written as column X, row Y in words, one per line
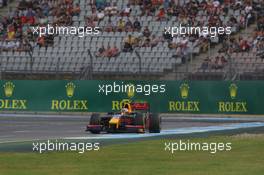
column 144, row 39
column 217, row 62
column 259, row 35
column 238, row 47
column 16, row 27
column 108, row 52
column 216, row 13
column 123, row 26
column 252, row 43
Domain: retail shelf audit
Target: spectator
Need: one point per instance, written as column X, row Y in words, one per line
column 146, row 42
column 100, row 15
column 121, row 25
column 146, row 32
column 111, row 10
column 129, row 26
column 113, row 52
column 76, row 10
column 154, row 41
column 109, row 52
column 167, row 36
column 205, row 65
column 128, row 43
column 109, row 26
column 161, row 15
column 101, row 51
column 90, row 22
column 41, row 41
column 244, row 45
column 126, row 11
column 137, row 25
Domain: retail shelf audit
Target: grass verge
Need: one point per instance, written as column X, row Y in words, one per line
column 146, row 157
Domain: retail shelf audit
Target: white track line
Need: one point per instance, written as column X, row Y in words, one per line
column 188, row 130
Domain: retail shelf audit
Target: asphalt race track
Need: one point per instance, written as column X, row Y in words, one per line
column 16, row 128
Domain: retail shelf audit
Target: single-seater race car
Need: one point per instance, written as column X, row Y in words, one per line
column 133, row 118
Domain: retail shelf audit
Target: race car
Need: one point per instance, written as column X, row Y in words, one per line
column 133, row 118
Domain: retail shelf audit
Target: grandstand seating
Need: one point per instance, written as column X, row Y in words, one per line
column 70, row 54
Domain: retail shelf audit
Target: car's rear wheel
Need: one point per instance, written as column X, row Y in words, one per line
column 95, row 120
column 154, row 123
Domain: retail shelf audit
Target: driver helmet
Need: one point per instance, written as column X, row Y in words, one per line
column 124, row 110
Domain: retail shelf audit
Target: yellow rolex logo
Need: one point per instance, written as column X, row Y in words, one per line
column 233, row 90
column 9, row 89
column 70, row 87
column 184, row 88
column 130, row 91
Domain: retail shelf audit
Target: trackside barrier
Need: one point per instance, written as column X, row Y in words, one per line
column 198, row 97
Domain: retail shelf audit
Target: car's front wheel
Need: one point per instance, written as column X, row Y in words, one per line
column 154, row 123
column 95, row 120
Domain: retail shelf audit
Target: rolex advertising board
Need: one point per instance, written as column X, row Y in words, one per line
column 8, row 102
column 163, row 96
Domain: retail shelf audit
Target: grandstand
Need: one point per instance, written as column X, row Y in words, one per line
column 132, row 42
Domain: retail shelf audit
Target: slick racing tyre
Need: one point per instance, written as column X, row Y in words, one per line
column 154, row 123
column 95, row 120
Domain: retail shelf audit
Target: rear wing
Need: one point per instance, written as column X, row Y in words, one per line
column 140, row 106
